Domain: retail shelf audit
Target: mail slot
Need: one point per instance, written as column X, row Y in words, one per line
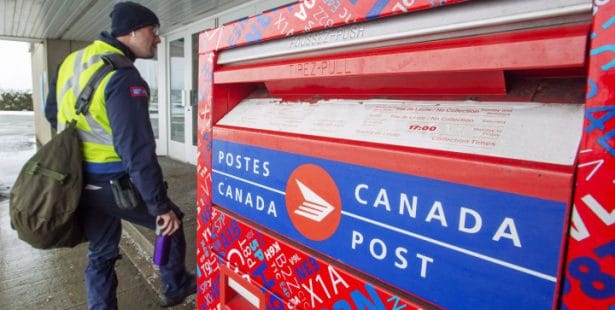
column 436, row 166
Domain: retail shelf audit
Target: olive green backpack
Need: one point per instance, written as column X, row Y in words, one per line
column 44, row 200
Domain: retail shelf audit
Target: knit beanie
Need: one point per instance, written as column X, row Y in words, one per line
column 128, row 16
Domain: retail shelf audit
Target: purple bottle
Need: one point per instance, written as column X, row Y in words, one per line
column 161, row 250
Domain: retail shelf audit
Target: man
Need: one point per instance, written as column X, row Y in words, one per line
column 118, row 147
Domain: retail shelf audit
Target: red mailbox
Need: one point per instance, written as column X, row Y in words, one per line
column 404, row 154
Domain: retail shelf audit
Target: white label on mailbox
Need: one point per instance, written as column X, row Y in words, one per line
column 548, row 133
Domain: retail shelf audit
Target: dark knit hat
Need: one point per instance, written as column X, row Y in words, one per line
column 128, row 16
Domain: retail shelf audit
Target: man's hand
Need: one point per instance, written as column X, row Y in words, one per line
column 170, row 223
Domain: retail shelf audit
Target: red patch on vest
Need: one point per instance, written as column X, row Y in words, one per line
column 138, row 91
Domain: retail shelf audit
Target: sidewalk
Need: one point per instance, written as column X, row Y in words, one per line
column 53, row 279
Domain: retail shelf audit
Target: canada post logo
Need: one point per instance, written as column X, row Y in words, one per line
column 313, row 202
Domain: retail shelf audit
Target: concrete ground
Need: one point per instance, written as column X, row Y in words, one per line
column 53, row 279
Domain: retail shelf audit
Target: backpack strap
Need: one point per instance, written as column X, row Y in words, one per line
column 112, row 62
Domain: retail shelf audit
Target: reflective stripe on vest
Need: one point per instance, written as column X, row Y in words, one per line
column 77, row 70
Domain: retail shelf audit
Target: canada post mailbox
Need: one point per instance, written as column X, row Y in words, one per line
column 439, row 199
column 436, row 166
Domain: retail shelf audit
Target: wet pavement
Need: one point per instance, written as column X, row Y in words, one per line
column 53, row 279
column 17, row 143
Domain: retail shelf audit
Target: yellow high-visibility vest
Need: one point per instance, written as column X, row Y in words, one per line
column 94, row 128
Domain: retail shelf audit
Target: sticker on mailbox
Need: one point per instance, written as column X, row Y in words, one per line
column 437, row 240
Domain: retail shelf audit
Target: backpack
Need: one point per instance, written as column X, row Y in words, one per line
column 44, row 200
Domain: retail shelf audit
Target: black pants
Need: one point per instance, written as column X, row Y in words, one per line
column 101, row 219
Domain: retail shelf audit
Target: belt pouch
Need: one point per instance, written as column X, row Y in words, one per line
column 124, row 193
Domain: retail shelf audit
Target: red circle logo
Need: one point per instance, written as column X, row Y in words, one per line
column 313, row 202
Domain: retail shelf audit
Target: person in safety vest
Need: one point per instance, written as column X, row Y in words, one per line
column 123, row 179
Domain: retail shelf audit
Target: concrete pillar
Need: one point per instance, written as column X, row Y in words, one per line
column 46, row 58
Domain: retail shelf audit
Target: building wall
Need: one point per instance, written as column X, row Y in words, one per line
column 39, row 89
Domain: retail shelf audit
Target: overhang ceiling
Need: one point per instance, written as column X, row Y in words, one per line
column 83, row 20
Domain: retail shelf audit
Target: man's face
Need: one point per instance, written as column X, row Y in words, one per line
column 143, row 42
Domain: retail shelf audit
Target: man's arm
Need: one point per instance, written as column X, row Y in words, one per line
column 127, row 99
column 51, row 103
